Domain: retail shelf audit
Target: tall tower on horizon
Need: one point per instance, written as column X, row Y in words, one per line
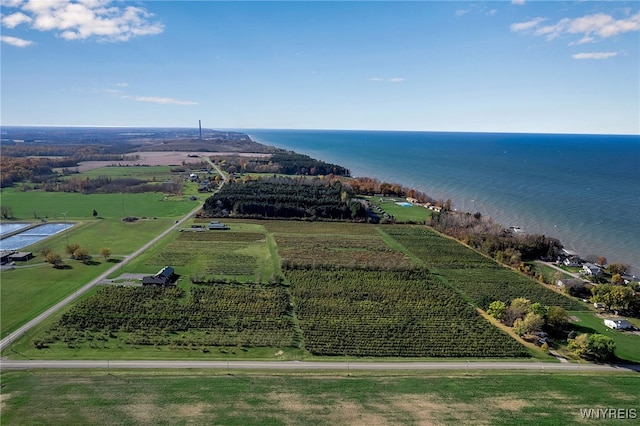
column 200, row 127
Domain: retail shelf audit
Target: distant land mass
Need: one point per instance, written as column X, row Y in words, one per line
column 139, row 138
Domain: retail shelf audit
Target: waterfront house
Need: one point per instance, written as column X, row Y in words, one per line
column 573, row 262
column 591, row 270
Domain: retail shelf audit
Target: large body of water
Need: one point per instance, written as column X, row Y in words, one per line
column 582, row 189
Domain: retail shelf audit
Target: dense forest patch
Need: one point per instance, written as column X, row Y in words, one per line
column 285, row 198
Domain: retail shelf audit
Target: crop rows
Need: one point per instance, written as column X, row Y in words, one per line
column 339, row 250
column 438, row 251
column 248, row 315
column 314, row 228
column 404, row 314
column 480, row 278
column 221, row 236
column 484, row 287
column 211, row 257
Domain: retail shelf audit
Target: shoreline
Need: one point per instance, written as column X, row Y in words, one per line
column 479, row 204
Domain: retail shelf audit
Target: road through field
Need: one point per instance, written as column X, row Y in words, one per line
column 6, row 341
column 313, row 365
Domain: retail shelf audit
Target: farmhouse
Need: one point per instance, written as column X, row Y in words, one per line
column 164, row 277
column 618, row 324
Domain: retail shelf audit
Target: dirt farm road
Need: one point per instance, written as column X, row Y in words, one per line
column 313, row 365
column 6, row 341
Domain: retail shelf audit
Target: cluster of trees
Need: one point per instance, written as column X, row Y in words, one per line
column 285, row 198
column 18, row 163
column 74, row 251
column 526, row 317
column 617, row 297
column 107, row 185
column 371, row 186
column 596, row 347
column 282, row 162
column 492, row 239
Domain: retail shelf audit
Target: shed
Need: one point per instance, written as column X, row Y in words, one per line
column 214, row 225
column 618, row 324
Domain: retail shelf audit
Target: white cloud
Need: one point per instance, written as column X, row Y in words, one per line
column 518, row 2
column 461, row 12
column 158, row 100
column 84, row 19
column 595, row 55
column 15, row 19
column 121, row 84
column 15, row 41
column 524, row 26
column 597, row 25
column 389, row 80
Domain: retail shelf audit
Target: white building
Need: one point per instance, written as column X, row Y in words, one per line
column 617, row 324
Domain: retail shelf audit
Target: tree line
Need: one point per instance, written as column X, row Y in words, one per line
column 282, row 162
column 493, row 239
column 285, row 198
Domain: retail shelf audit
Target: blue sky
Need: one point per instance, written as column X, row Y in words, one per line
column 522, row 66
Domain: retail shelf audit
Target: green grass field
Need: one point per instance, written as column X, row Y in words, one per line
column 304, row 398
column 627, row 344
column 402, row 213
column 52, row 205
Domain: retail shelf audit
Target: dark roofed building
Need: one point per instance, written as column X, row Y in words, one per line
column 21, row 256
column 164, row 277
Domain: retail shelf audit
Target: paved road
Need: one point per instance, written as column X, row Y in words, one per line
column 310, row 365
column 6, row 341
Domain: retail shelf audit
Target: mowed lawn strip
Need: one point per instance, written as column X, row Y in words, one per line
column 240, row 398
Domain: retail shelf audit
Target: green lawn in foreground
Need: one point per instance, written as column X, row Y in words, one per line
column 627, row 344
column 376, row 398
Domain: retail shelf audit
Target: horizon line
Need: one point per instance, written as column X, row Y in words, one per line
column 100, row 126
